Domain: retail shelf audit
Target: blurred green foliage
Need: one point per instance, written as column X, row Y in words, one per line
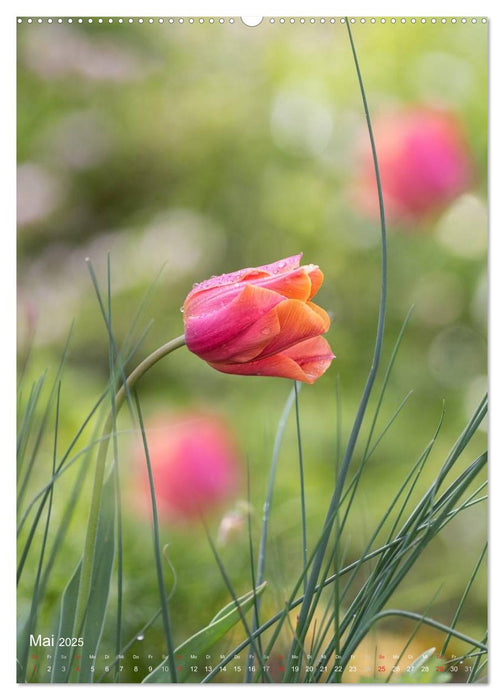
column 189, row 151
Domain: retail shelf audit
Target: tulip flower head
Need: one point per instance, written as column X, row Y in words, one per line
column 424, row 164
column 195, row 465
column 261, row 321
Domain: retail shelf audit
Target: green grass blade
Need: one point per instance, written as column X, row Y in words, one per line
column 165, row 614
column 96, row 607
column 205, row 638
column 61, row 667
column 305, row 614
column 464, row 597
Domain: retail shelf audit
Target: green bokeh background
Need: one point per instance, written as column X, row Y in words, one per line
column 187, row 151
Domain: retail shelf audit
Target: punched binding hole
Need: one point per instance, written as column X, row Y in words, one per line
column 251, row 21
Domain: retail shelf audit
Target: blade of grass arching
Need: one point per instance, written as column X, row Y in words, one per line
column 413, row 634
column 254, row 645
column 261, row 562
column 301, row 483
column 292, row 603
column 464, row 597
column 395, row 570
column 101, row 579
column 280, row 617
column 165, row 613
column 32, row 617
column 430, row 622
column 304, row 614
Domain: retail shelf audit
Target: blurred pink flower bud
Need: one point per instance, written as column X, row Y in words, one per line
column 424, row 164
column 261, row 321
column 195, row 465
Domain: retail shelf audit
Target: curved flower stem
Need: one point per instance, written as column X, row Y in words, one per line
column 90, row 543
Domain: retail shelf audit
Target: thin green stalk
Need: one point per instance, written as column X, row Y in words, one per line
column 252, row 574
column 261, row 563
column 413, row 634
column 117, row 480
column 314, row 574
column 90, row 542
column 476, row 668
column 464, row 596
column 302, row 489
column 427, row 621
column 36, row 589
column 157, row 552
column 229, row 586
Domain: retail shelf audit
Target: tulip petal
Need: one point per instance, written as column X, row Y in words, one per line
column 316, row 277
column 250, row 343
column 298, row 321
column 292, row 285
column 211, row 330
column 313, row 356
column 304, row 362
column 284, row 265
column 284, row 277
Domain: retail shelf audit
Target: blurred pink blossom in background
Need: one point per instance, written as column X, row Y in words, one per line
column 424, row 164
column 195, row 464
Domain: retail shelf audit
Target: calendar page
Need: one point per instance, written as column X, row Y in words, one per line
column 252, row 349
